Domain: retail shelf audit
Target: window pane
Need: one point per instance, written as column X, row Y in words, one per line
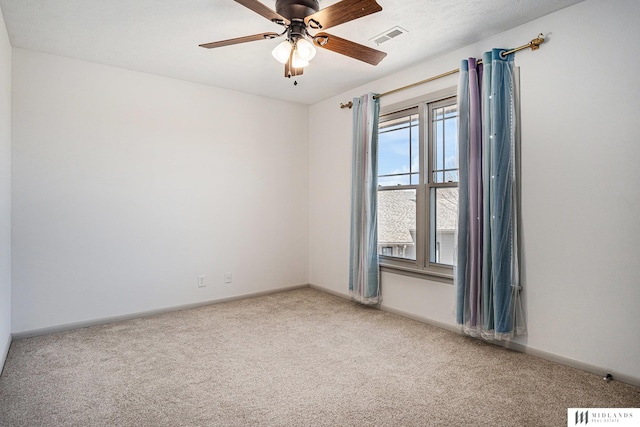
column 398, row 150
column 445, row 144
column 444, row 219
column 397, row 223
column 393, row 151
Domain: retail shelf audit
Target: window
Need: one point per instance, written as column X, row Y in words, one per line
column 418, row 185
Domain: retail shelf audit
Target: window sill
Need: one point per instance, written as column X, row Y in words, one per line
column 417, row 273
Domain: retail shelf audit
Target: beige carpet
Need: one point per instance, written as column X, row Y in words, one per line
column 297, row 358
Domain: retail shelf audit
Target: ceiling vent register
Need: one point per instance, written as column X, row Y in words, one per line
column 388, row 35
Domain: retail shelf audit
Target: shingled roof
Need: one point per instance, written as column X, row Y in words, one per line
column 397, row 215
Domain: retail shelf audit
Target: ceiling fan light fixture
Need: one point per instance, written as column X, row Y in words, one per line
column 305, row 50
column 282, row 51
column 297, row 61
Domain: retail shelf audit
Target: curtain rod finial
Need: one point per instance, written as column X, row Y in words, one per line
column 347, row 105
column 535, row 43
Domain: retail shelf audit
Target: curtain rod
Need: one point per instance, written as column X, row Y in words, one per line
column 533, row 44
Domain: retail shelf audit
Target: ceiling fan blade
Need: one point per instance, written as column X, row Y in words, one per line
column 348, row 48
column 255, row 37
column 263, row 10
column 341, row 12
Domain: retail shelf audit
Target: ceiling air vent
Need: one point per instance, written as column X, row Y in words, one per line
column 388, row 35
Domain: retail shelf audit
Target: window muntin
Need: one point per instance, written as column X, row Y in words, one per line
column 417, row 186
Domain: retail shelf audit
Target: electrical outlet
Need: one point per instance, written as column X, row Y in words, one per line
column 201, row 282
column 227, row 278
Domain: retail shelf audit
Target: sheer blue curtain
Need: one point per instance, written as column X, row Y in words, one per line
column 487, row 276
column 364, row 280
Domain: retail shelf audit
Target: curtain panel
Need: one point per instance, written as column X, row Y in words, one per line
column 364, row 276
column 487, row 275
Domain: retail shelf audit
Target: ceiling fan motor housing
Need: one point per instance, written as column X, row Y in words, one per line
column 296, row 9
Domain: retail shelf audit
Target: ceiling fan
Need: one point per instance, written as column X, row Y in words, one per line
column 297, row 17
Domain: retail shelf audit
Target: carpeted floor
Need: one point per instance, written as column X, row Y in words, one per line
column 296, row 358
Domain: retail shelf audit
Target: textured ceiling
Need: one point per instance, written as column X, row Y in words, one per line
column 162, row 37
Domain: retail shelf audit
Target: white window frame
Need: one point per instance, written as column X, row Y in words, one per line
column 422, row 267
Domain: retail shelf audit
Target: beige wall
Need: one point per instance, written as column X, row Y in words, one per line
column 128, row 186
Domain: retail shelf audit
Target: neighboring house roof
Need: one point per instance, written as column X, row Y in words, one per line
column 397, row 215
column 447, row 208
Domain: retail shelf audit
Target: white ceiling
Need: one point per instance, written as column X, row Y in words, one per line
column 162, row 37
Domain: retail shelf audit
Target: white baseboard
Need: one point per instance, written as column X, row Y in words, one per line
column 111, row 319
column 4, row 352
column 598, row 370
column 423, row 319
column 562, row 360
column 330, row 291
